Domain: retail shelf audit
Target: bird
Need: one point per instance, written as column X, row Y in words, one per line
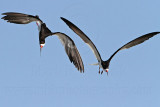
column 105, row 64
column 44, row 32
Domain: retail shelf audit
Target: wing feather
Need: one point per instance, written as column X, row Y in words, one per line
column 20, row 18
column 84, row 37
column 136, row 41
column 71, row 50
column 14, row 14
column 130, row 44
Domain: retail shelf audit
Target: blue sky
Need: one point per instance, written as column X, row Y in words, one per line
column 50, row 80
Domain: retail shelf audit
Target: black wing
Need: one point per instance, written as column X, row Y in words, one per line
column 71, row 50
column 84, row 37
column 135, row 42
column 20, row 18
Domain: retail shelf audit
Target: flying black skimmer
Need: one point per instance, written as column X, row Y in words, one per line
column 44, row 32
column 105, row 64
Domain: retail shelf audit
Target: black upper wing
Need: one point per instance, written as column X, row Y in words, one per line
column 84, row 37
column 135, row 42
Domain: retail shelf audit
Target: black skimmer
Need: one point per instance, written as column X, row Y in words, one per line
column 44, row 32
column 105, row 64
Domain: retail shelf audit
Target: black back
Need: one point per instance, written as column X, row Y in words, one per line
column 44, row 32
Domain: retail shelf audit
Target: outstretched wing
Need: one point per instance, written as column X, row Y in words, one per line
column 20, row 18
column 135, row 42
column 71, row 50
column 84, row 37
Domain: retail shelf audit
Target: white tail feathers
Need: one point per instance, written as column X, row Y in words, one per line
column 94, row 64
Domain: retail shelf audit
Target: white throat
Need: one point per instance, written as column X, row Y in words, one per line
column 42, row 44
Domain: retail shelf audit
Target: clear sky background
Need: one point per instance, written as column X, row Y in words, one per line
column 50, row 80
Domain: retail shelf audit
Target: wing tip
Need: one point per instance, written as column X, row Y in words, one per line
column 7, row 13
column 157, row 32
column 81, row 69
column 154, row 33
column 62, row 18
column 2, row 18
column 65, row 20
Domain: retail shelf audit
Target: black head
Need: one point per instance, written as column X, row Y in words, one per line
column 42, row 41
column 105, row 65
